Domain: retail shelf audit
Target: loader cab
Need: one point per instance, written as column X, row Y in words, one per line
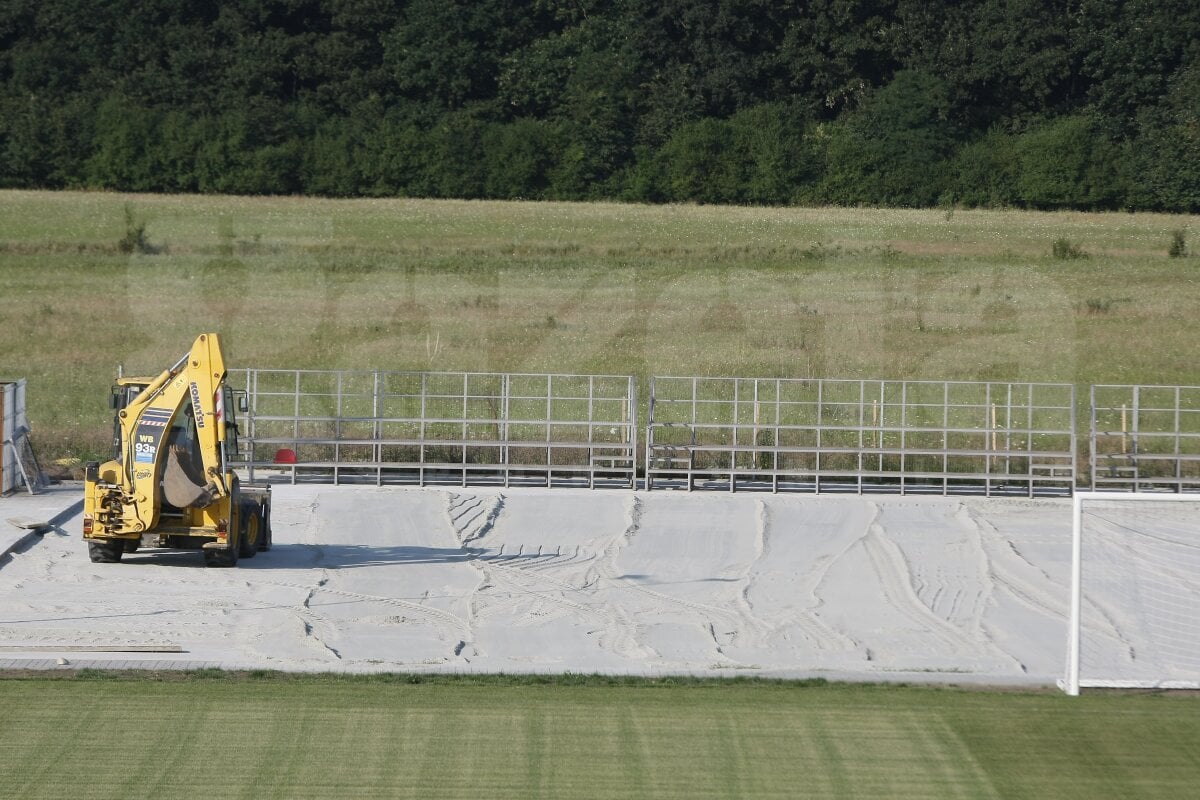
column 126, row 390
column 123, row 393
column 235, row 402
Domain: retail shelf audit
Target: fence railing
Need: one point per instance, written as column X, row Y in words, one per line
column 440, row 427
column 859, row 435
column 1145, row 438
column 726, row 433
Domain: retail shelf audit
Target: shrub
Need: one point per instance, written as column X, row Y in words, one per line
column 134, row 240
column 1066, row 249
column 1178, row 247
column 698, row 165
column 327, row 167
column 984, row 173
column 454, row 163
column 770, row 151
column 520, row 156
column 1070, row 163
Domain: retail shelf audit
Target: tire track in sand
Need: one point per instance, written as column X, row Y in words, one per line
column 608, row 573
column 470, row 523
column 434, row 614
column 894, row 574
column 814, row 632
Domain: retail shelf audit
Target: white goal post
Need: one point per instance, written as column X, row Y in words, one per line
column 1135, row 592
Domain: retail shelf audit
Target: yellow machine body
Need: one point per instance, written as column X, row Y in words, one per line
column 169, row 482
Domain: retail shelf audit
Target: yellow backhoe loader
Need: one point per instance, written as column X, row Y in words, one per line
column 169, row 483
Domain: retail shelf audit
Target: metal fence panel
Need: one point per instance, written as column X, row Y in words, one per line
column 1145, row 438
column 440, row 427
column 12, row 423
column 860, row 435
column 729, row 433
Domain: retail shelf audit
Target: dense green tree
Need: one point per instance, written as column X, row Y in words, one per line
column 597, row 114
column 892, row 150
column 833, row 51
column 445, row 54
column 1166, row 152
column 126, row 146
column 520, row 158
column 1131, row 50
column 724, row 53
column 330, row 161
column 1072, row 103
column 455, row 162
column 1001, row 60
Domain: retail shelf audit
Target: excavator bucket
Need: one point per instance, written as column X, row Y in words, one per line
column 180, row 486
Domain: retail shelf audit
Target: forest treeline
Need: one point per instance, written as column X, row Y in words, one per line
column 1090, row 104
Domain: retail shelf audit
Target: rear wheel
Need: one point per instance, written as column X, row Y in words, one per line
column 264, row 536
column 227, row 557
column 108, row 551
column 221, row 558
column 251, row 531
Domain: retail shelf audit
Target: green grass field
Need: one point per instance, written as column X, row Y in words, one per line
column 594, row 288
column 320, row 736
column 590, row 288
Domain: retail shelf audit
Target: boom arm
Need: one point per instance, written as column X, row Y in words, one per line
column 196, row 381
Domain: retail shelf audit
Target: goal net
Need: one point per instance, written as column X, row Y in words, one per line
column 1135, row 592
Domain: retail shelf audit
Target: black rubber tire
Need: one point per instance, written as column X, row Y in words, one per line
column 224, row 558
column 221, row 558
column 251, row 531
column 108, row 551
column 264, row 536
column 130, row 545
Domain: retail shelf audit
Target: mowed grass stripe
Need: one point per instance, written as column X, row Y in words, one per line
column 1151, row 747
column 897, row 752
column 316, row 737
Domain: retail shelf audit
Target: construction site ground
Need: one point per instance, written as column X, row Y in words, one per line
column 535, row 580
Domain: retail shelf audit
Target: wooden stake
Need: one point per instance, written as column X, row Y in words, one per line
column 875, row 423
column 1124, row 429
column 625, row 420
